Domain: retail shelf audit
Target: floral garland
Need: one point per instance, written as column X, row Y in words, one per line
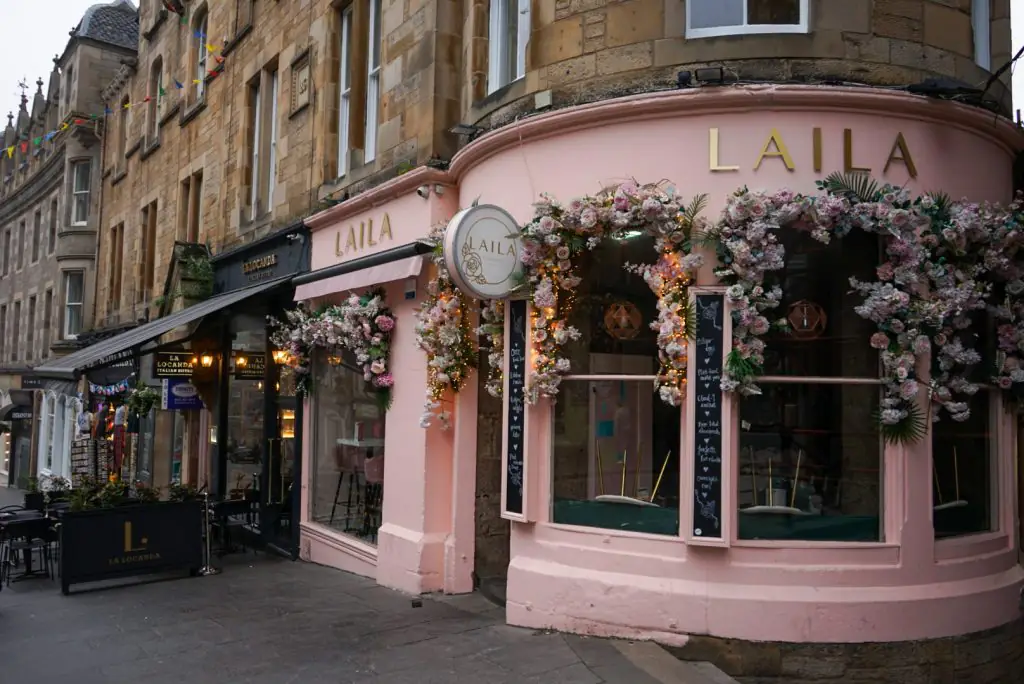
column 492, row 328
column 558, row 234
column 937, row 256
column 444, row 334
column 361, row 325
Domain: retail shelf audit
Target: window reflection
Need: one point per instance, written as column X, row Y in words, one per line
column 810, row 463
column 616, row 445
column 961, row 471
column 348, row 454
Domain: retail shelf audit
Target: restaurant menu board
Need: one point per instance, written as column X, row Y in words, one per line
column 516, row 409
column 707, row 428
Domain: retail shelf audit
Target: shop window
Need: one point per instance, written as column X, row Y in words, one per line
column 372, row 82
column 964, row 452
column 981, row 22
column 707, row 18
column 74, row 303
column 616, row 445
column 80, row 173
column 348, row 455
column 810, row 465
column 51, row 426
column 509, row 29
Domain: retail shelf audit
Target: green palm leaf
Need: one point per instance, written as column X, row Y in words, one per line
column 856, row 186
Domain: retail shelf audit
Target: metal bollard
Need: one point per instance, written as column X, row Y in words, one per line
column 208, row 569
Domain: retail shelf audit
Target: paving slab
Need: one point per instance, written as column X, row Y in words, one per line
column 274, row 621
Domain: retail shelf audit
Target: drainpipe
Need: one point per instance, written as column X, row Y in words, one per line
column 99, row 225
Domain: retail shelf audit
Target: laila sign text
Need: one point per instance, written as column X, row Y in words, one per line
column 354, row 239
column 775, row 147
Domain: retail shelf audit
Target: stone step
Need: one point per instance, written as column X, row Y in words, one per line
column 666, row 668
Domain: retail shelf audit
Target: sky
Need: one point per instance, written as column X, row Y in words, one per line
column 33, row 31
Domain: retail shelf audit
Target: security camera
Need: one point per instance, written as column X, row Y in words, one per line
column 410, row 288
column 423, row 191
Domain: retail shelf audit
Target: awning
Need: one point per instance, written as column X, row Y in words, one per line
column 114, row 348
column 409, row 267
column 388, row 256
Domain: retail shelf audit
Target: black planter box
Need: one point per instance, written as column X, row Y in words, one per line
column 130, row 541
column 35, row 501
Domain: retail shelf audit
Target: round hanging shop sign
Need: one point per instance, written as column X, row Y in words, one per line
column 481, row 249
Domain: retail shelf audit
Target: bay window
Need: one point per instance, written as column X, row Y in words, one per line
column 810, row 457
column 616, row 444
column 80, row 174
column 344, row 90
column 74, row 303
column 709, row 18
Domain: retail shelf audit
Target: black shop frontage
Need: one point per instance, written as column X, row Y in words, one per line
column 236, row 410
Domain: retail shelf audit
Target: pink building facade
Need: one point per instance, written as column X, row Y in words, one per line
column 880, row 542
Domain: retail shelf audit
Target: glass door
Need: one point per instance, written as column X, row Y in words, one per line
column 278, row 491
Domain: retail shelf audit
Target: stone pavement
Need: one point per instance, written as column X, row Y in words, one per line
column 273, row 621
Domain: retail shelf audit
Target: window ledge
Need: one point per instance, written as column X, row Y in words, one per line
column 107, row 171
column 121, row 175
column 161, row 17
column 340, row 541
column 192, row 111
column 134, row 148
column 169, row 114
column 233, row 43
column 970, row 546
column 731, row 31
column 150, row 148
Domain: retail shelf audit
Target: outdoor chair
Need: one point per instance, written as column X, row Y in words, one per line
column 28, row 539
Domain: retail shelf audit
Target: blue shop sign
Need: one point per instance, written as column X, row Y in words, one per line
column 179, row 395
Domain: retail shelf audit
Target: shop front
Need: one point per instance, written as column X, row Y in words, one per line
column 220, row 413
column 376, row 487
column 719, row 394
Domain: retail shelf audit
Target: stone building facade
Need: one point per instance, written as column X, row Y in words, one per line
column 49, row 206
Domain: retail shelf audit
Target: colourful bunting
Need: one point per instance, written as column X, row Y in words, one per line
column 178, row 84
column 161, row 92
column 10, row 151
column 36, row 141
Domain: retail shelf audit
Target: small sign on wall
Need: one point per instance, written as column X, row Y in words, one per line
column 709, row 425
column 513, row 483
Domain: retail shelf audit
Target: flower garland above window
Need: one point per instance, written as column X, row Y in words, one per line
column 361, row 325
column 558, row 234
column 942, row 261
column 444, row 334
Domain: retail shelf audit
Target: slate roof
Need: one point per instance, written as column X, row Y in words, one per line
column 116, row 23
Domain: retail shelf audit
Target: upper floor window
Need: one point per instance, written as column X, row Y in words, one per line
column 156, row 93
column 981, row 21
column 7, row 252
column 74, row 303
column 707, row 18
column 200, row 26
column 37, row 229
column 52, row 244
column 68, row 80
column 263, row 152
column 80, row 173
column 345, row 90
column 372, row 82
column 21, row 245
column 509, row 29
column 122, row 137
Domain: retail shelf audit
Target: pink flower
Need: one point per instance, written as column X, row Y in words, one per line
column 385, row 323
column 383, row 381
column 879, row 340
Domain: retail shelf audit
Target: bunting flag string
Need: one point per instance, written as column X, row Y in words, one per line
column 107, row 111
column 109, row 390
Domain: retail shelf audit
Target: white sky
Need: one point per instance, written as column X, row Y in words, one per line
column 33, row 31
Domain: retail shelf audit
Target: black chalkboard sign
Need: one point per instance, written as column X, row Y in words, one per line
column 516, row 371
column 707, row 416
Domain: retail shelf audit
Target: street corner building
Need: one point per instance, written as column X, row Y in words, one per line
column 695, row 322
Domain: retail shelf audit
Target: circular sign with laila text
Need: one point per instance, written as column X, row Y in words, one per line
column 482, row 251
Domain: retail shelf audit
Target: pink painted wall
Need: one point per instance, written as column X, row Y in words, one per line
column 417, row 507
column 644, row 586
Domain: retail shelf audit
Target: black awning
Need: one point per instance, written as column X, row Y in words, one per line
column 114, row 348
column 386, row 257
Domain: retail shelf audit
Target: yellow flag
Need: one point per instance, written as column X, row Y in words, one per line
column 210, row 48
column 64, row 127
column 127, row 105
column 10, row 151
column 195, row 81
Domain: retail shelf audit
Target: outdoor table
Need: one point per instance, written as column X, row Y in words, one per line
column 26, row 524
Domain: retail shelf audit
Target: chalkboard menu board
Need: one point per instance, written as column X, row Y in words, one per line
column 707, row 416
column 516, row 372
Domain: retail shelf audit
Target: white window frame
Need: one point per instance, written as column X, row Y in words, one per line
column 373, row 58
column 77, row 192
column 51, row 424
column 981, row 22
column 68, row 304
column 201, row 58
column 745, row 28
column 254, row 191
column 272, row 147
column 499, row 71
column 345, row 90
